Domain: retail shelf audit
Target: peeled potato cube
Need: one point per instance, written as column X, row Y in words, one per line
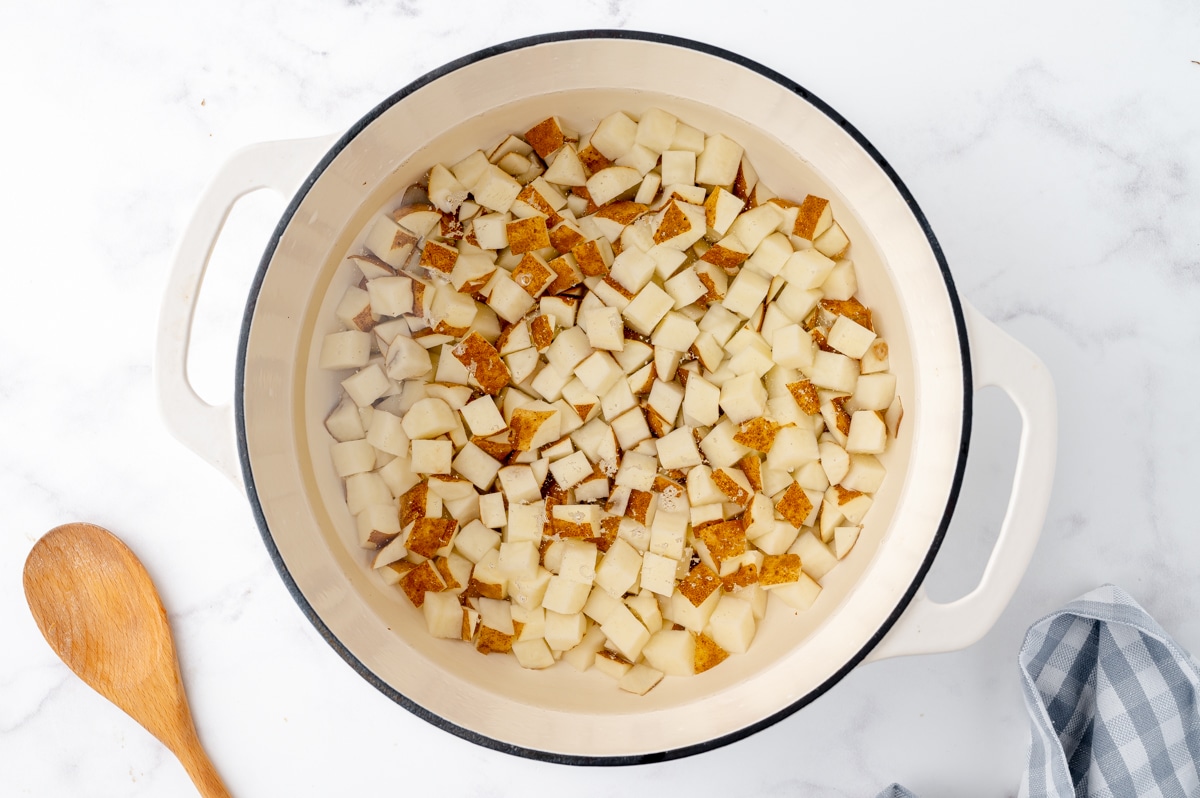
column 753, row 226
column 844, row 538
column 647, row 309
column 658, row 573
column 352, row 457
column 678, row 166
column 443, row 615
column 495, row 189
column 432, row 456
column 350, row 349
column 599, row 372
column 619, row 568
column 640, row 679
column 625, row 632
column 701, row 402
column 366, row 385
column 799, row 595
column 564, row 632
column 364, row 490
column 833, row 242
column 718, row 164
column 868, row 433
column 605, row 330
column 807, row 268
column 671, row 651
column 344, row 422
column 865, row 473
column 614, row 136
column 533, row 654
column 656, row 129
column 743, row 398
column 428, row 418
column 842, row 282
column 732, row 625
column 565, row 596
column 567, row 169
column 407, row 359
column 746, row 293
column 815, row 556
column 833, row 371
column 609, row 184
column 849, row 337
column 677, row 449
column 875, row 391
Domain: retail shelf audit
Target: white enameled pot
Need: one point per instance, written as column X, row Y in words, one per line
column 272, row 437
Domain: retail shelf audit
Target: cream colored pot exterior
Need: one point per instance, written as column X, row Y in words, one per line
column 798, row 146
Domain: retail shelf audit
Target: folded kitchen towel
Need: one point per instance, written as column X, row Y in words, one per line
column 1112, row 702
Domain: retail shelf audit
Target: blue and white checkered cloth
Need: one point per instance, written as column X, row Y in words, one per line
column 1113, row 704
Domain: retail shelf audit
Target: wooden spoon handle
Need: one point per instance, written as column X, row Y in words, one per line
column 200, row 768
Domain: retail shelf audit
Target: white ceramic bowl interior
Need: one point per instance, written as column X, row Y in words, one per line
column 798, row 146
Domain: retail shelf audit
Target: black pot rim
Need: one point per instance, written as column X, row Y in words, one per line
column 388, row 690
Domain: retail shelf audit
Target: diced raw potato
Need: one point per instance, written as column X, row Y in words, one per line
column 609, row 184
column 850, row 338
column 816, row 558
column 614, row 136
column 678, row 166
column 565, row 596
column 865, row 474
column 671, row 651
column 619, row 568
column 582, row 656
column 670, row 425
column 443, row 615
column 718, row 164
column 743, row 398
column 625, row 632
column 390, row 242
column 842, row 283
column 640, row 679
column 746, row 293
column 432, row 456
column 530, row 593
column 352, row 457
column 868, row 433
column 533, row 654
column 799, row 595
column 833, row 242
column 732, row 625
column 364, row 490
column 770, row 255
column 605, row 330
column 875, row 391
column 647, row 309
column 350, row 349
column 366, row 385
column 658, row 573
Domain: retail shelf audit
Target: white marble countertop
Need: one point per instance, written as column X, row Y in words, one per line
column 1054, row 147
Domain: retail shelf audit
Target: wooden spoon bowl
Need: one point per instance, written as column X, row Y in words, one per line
column 99, row 610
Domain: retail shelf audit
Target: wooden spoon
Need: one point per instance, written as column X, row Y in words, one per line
column 99, row 611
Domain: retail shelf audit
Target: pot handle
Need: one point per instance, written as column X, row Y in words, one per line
column 929, row 627
column 208, row 430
